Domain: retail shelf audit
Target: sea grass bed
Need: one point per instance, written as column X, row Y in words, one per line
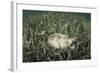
column 39, row 25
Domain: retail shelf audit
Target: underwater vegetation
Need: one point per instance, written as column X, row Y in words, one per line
column 56, row 36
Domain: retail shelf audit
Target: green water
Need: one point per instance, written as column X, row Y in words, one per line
column 27, row 13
